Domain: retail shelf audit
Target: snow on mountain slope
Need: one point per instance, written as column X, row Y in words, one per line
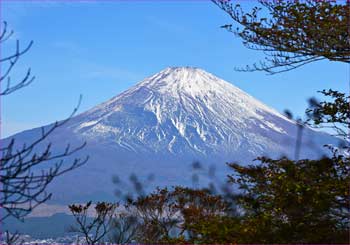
column 166, row 121
column 182, row 110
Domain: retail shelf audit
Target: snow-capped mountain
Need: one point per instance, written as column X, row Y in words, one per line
column 182, row 111
column 167, row 121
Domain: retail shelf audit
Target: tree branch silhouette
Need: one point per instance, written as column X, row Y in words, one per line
column 26, row 173
column 295, row 33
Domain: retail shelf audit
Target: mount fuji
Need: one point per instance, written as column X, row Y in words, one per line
column 164, row 123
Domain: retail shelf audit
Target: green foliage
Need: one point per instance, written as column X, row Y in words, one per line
column 293, row 33
column 277, row 201
column 167, row 216
column 216, row 230
column 333, row 113
column 285, row 201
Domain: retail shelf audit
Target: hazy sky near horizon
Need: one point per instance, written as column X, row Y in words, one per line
column 99, row 49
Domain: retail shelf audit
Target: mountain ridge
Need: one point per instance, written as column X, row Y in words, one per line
column 164, row 123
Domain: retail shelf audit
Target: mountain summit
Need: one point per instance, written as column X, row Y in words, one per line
column 165, row 122
column 185, row 110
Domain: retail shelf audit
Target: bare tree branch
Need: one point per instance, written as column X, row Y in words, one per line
column 97, row 227
column 26, row 172
column 23, row 186
column 9, row 62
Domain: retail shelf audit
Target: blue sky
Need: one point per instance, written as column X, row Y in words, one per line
column 99, row 49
